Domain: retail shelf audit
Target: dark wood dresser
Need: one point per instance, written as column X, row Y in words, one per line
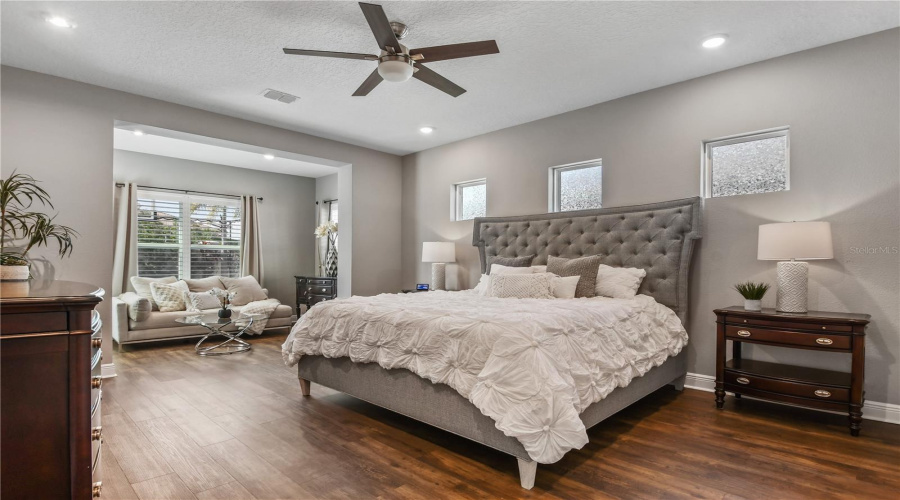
column 314, row 289
column 810, row 387
column 50, row 389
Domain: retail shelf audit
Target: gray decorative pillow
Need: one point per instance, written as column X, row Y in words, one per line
column 585, row 267
column 524, row 261
column 204, row 284
column 138, row 307
column 200, row 301
column 169, row 297
column 142, row 287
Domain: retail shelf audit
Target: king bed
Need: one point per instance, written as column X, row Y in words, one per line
column 527, row 377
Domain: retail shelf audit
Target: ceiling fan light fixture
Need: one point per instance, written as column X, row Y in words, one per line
column 395, row 68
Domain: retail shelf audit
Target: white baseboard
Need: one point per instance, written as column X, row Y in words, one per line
column 108, row 370
column 873, row 410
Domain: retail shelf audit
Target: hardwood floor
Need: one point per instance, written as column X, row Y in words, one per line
column 179, row 426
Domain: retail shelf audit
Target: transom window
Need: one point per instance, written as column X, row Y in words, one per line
column 757, row 162
column 469, row 199
column 188, row 236
column 578, row 186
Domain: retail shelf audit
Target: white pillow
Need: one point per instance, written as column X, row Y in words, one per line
column 198, row 301
column 539, row 269
column 142, row 287
column 521, row 286
column 246, row 290
column 169, row 297
column 564, row 288
column 484, row 285
column 498, row 269
column 619, row 282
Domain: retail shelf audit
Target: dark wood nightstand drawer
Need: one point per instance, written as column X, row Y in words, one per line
column 315, row 299
column 736, row 381
column 320, row 290
column 787, row 337
column 797, row 325
column 320, row 281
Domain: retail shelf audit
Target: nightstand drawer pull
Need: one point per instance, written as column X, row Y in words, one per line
column 743, row 333
column 742, row 380
column 824, row 341
column 822, row 394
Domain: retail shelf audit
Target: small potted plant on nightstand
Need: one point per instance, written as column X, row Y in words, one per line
column 753, row 294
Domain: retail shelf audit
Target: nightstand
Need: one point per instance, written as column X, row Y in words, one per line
column 809, row 387
column 314, row 289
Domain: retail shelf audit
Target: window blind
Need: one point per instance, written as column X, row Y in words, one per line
column 188, row 236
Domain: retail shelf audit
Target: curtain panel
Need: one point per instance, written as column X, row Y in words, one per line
column 251, row 248
column 125, row 243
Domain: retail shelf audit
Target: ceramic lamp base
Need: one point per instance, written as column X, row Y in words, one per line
column 793, row 280
column 438, row 276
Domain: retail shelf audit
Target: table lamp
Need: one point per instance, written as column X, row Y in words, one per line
column 438, row 253
column 791, row 243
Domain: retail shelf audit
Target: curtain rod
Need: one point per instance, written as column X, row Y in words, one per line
column 186, row 191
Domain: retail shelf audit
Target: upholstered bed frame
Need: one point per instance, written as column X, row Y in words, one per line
column 657, row 237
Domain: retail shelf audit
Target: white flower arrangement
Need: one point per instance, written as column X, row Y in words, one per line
column 225, row 297
column 326, row 229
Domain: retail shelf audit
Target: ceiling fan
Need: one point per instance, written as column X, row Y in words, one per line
column 397, row 63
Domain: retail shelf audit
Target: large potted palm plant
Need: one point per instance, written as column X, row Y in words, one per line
column 23, row 229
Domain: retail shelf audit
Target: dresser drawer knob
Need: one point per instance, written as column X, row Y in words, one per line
column 743, row 333
column 96, row 382
column 824, row 341
column 95, row 489
column 95, row 343
column 822, row 393
column 96, row 433
column 743, row 380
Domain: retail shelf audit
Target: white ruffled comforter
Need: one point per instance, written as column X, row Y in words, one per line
column 532, row 365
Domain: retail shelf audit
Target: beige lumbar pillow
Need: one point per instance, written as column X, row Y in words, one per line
column 170, row 298
column 246, row 290
column 142, row 287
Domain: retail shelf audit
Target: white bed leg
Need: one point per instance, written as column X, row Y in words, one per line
column 527, row 471
column 679, row 383
column 304, row 387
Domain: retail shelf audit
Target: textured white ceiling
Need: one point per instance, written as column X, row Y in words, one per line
column 554, row 56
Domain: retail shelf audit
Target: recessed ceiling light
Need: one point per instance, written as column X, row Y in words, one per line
column 269, row 156
column 426, row 130
column 715, row 41
column 138, row 133
column 60, row 22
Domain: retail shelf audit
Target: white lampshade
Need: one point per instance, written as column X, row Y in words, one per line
column 795, row 240
column 438, row 251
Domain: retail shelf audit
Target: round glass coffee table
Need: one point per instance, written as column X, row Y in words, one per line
column 216, row 326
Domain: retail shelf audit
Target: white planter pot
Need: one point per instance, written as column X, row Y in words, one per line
column 752, row 305
column 14, row 273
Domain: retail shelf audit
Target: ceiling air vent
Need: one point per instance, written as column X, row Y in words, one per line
column 277, row 95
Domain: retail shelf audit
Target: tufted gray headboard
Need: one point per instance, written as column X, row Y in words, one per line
column 658, row 237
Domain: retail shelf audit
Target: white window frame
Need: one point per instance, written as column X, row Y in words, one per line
column 186, row 200
column 554, row 196
column 707, row 147
column 456, row 192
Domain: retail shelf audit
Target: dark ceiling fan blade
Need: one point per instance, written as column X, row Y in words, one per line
column 371, row 82
column 324, row 53
column 381, row 27
column 437, row 81
column 456, row 51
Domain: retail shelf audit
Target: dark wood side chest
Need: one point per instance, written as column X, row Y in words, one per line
column 810, row 387
column 50, row 353
column 314, row 289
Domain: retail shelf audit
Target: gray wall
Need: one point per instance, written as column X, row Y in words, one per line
column 286, row 215
column 842, row 103
column 61, row 132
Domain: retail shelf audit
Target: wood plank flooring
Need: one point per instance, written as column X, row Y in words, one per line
column 178, row 426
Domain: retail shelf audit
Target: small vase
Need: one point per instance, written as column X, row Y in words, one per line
column 14, row 273
column 752, row 305
column 224, row 313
